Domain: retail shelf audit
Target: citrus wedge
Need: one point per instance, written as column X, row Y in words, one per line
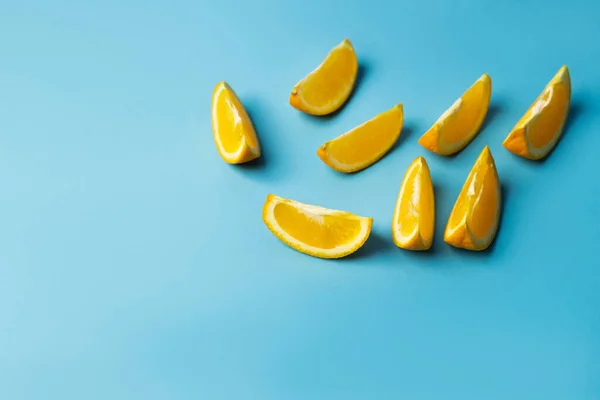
column 538, row 131
column 314, row 230
column 328, row 87
column 233, row 131
column 364, row 145
column 459, row 124
column 414, row 216
column 474, row 219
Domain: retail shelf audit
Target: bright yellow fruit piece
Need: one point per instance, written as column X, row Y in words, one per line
column 458, row 125
column 414, row 216
column 364, row 145
column 314, row 230
column 328, row 87
column 474, row 219
column 233, row 131
column 538, row 131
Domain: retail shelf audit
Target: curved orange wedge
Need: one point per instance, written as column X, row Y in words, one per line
column 458, row 125
column 538, row 131
column 364, row 145
column 233, row 131
column 473, row 222
column 414, row 216
column 314, row 230
column 328, row 87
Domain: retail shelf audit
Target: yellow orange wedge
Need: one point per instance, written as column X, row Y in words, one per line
column 314, row 230
column 458, row 125
column 538, row 131
column 365, row 144
column 233, row 131
column 414, row 216
column 328, row 87
column 474, row 219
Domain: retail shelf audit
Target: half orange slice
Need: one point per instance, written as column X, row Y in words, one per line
column 364, row 145
column 314, row 230
column 328, row 87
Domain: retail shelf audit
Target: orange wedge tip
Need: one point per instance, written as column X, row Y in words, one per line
column 414, row 215
column 314, row 230
column 233, row 130
column 364, row 145
column 459, row 124
column 473, row 222
column 540, row 128
column 327, row 88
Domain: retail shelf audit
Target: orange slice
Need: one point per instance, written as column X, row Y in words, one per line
column 328, row 87
column 538, row 131
column 474, row 219
column 365, row 144
column 414, row 216
column 314, row 230
column 458, row 125
column 233, row 131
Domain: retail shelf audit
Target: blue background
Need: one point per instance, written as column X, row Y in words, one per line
column 134, row 263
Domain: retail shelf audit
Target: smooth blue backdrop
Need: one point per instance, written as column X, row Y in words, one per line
column 134, row 263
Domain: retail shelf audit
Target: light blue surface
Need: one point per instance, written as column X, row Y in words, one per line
column 134, row 263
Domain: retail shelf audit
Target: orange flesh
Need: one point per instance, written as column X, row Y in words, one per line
column 408, row 217
column 484, row 203
column 369, row 140
column 461, row 208
column 315, row 229
column 427, row 206
column 417, row 209
column 232, row 121
column 467, row 120
column 335, row 75
column 544, row 128
column 479, row 199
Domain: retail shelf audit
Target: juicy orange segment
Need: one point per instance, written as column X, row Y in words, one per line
column 314, row 230
column 539, row 129
column 458, row 125
column 233, row 131
column 473, row 222
column 328, row 87
column 414, row 216
column 364, row 145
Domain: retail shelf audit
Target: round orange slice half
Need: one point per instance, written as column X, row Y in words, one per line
column 327, row 88
column 314, row 230
column 364, row 145
column 458, row 125
column 233, row 130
